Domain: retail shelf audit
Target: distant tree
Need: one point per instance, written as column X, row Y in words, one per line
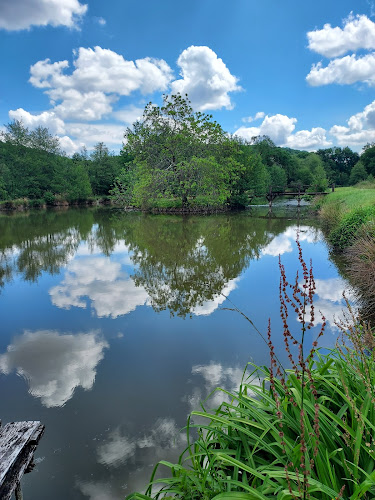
column 79, row 187
column 103, row 169
column 16, row 133
column 338, row 163
column 358, row 173
column 368, row 159
column 320, row 181
column 40, row 138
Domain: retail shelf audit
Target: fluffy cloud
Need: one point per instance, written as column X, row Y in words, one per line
column 72, row 135
column 119, row 447
column 310, row 140
column 54, row 364
column 111, row 292
column 99, row 77
column 357, row 33
column 209, row 306
column 280, row 129
column 277, row 127
column 47, row 119
column 330, row 301
column 205, row 78
column 215, row 375
column 283, row 243
column 344, row 71
column 22, row 14
column 257, row 116
column 360, row 129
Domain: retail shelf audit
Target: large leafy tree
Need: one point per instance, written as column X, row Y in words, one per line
column 179, row 154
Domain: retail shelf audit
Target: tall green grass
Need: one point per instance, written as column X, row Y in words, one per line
column 304, row 432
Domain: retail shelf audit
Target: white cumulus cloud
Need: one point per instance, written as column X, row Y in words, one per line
column 205, row 78
column 22, row 14
column 280, row 129
column 54, row 364
column 310, row 140
column 344, row 71
column 257, row 116
column 358, row 32
column 99, row 77
column 360, row 128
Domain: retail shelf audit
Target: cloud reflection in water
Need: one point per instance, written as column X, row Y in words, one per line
column 111, row 291
column 54, row 364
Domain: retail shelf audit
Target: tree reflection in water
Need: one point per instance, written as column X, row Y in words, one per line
column 181, row 262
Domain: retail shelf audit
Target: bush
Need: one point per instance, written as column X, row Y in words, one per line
column 330, row 214
column 361, row 268
column 49, row 198
column 344, row 233
column 36, row 203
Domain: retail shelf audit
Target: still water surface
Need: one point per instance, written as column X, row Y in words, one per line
column 112, row 330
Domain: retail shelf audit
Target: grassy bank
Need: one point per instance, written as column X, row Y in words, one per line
column 347, row 214
column 22, row 204
column 348, row 219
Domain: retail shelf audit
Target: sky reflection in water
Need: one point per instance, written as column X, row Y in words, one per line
column 114, row 322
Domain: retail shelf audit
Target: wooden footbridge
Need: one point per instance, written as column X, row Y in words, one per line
column 293, row 192
column 18, row 442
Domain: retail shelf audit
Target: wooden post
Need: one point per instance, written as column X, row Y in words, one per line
column 333, row 187
column 270, row 197
column 299, row 196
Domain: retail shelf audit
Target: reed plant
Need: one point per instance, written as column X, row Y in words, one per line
column 306, row 432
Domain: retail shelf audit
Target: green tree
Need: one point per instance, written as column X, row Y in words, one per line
column 358, row 173
column 40, row 138
column 338, row 163
column 16, row 133
column 103, row 169
column 78, row 182
column 368, row 158
column 174, row 148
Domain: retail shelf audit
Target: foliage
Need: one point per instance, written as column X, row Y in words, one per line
column 358, row 173
column 17, row 134
column 305, row 432
column 345, row 232
column 368, row 158
column 360, row 257
column 338, row 163
column 103, row 169
column 178, row 154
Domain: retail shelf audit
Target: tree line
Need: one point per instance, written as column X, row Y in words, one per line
column 172, row 157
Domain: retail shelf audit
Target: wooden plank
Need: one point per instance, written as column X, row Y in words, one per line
column 18, row 441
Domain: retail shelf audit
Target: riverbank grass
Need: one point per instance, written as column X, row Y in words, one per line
column 347, row 214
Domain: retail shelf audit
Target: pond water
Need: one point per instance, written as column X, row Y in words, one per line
column 114, row 326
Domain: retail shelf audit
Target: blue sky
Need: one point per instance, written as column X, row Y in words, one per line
column 301, row 72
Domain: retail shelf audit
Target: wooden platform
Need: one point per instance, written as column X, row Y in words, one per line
column 18, row 441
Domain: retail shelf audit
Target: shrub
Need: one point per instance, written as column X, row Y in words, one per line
column 36, row 203
column 330, row 214
column 361, row 268
column 49, row 198
column 345, row 232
